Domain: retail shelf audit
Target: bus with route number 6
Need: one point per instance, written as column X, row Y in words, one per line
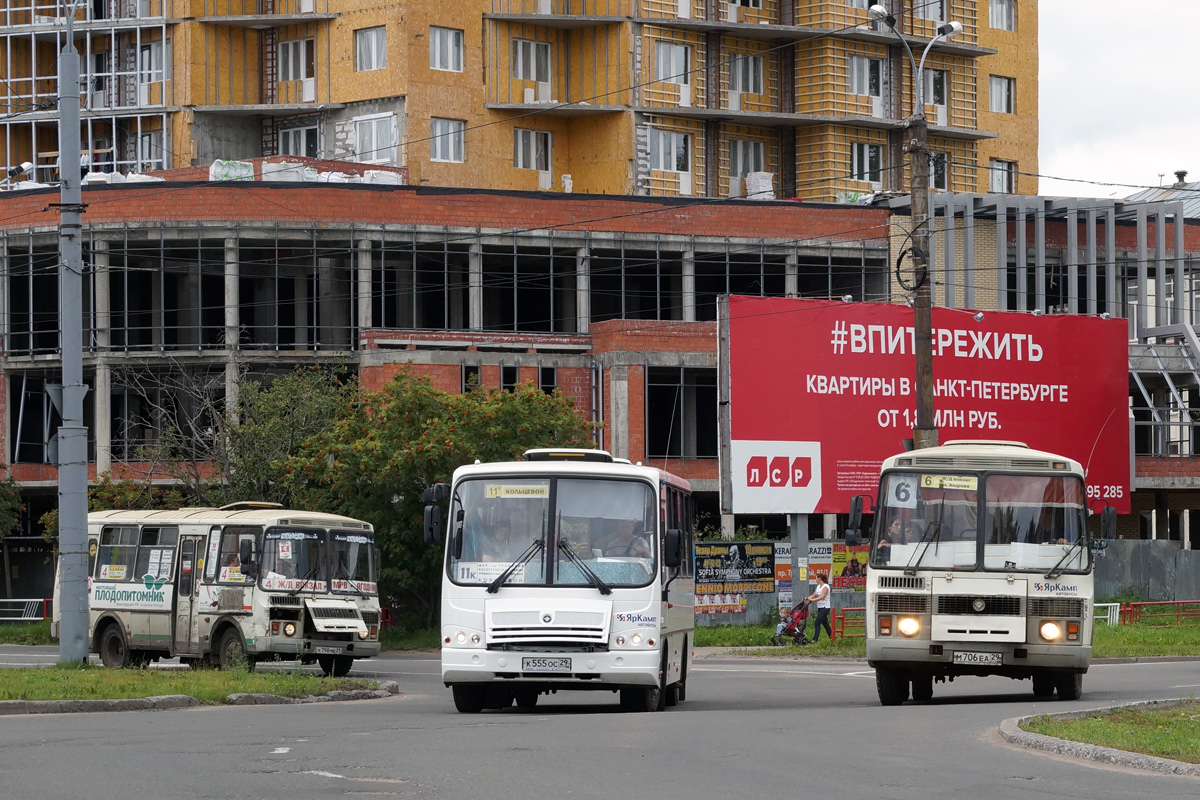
column 980, row 563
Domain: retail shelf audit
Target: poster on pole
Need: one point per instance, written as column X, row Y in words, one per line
column 821, row 392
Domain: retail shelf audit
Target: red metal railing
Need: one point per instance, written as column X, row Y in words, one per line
column 849, row 622
column 1163, row 612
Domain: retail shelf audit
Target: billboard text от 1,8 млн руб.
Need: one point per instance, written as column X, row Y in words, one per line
column 821, row 392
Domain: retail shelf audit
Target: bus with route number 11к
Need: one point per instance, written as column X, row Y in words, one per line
column 980, row 564
column 569, row 569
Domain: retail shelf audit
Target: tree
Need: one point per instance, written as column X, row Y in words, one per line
column 11, row 504
column 386, row 447
column 273, row 424
column 216, row 457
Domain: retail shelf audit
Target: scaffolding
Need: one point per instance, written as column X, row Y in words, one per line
column 126, row 96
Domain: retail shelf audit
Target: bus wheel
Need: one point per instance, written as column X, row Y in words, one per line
column 336, row 666
column 892, row 686
column 642, row 699
column 468, row 699
column 526, row 698
column 114, row 653
column 233, row 652
column 922, row 688
column 1070, row 686
column 681, row 687
column 1043, row 684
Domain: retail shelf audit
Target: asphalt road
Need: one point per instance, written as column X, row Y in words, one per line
column 750, row 728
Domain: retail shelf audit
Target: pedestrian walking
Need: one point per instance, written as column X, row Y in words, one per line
column 821, row 597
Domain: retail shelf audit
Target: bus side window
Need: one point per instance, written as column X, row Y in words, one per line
column 117, row 553
column 187, row 561
column 230, row 563
column 156, row 555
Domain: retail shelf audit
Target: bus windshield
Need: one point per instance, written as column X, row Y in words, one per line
column 993, row 521
column 603, row 526
column 292, row 560
column 352, row 562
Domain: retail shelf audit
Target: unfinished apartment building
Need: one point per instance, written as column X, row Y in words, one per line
column 769, row 98
column 191, row 283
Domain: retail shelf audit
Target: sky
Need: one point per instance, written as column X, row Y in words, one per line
column 1117, row 95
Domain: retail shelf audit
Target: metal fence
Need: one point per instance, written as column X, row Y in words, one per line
column 25, row 610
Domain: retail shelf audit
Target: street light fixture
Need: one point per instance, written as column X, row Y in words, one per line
column 925, row 432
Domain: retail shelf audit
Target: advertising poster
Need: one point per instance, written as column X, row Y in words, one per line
column 720, row 604
column 735, row 568
column 810, row 422
column 820, row 559
column 783, row 573
column 849, row 568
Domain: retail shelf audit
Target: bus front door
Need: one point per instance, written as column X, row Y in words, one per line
column 185, row 596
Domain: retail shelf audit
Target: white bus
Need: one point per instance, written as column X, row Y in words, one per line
column 570, row 569
column 243, row 583
column 980, row 564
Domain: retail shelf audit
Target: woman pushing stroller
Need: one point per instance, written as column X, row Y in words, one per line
column 792, row 626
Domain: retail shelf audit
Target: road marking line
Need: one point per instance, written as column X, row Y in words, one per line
column 280, row 750
column 784, row 672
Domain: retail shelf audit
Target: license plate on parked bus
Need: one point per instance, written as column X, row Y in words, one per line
column 545, row 665
column 968, row 657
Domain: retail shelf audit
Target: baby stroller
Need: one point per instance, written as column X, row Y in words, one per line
column 793, row 627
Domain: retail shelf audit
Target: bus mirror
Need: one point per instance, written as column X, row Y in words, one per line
column 1108, row 523
column 856, row 507
column 673, row 548
column 245, row 552
column 433, row 524
column 852, row 537
column 437, row 493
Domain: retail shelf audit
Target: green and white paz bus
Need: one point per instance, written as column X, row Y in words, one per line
column 238, row 584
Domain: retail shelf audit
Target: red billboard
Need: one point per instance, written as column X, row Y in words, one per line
column 821, row 392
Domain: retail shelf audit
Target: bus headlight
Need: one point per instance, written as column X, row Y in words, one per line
column 636, row 639
column 460, row 637
column 289, row 629
column 1050, row 631
column 909, row 626
column 363, row 634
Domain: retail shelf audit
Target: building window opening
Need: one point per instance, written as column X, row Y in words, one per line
column 547, row 379
column 470, row 377
column 509, row 376
column 681, row 412
column 636, row 284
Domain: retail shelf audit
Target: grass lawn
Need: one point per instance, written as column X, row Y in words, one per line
column 27, row 633
column 1167, row 733
column 1142, row 640
column 756, row 640
column 206, row 685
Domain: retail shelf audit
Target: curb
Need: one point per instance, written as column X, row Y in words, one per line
column 173, row 701
column 1010, row 731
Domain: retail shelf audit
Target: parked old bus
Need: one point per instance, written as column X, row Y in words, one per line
column 570, row 569
column 242, row 583
column 980, row 564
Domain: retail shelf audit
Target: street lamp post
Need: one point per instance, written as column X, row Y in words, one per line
column 925, row 432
